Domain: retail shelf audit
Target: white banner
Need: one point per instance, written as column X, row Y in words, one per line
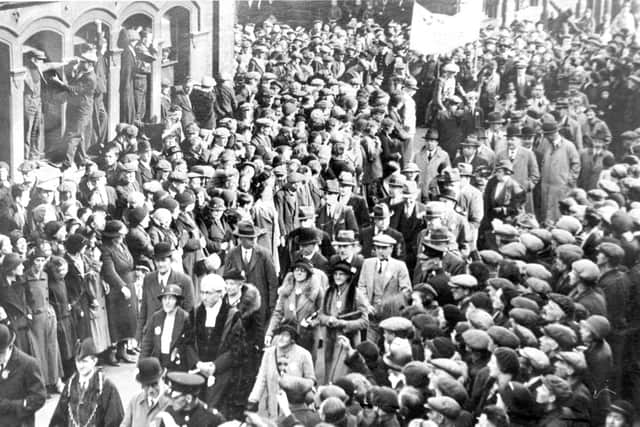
column 433, row 33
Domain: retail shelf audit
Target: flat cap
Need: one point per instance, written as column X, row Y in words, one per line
column 476, row 339
column 569, row 223
column 450, row 366
column 586, row 270
column 611, row 250
column 575, row 359
column 524, row 316
column 536, row 357
column 445, row 405
column 562, row 236
column 532, row 243
column 490, row 257
column 479, row 319
column 396, row 324
column 524, row 302
column 506, row 230
column 568, row 253
column 463, row 281
column 538, row 271
column 563, row 335
column 383, row 240
column 538, row 286
column 513, row 250
column 503, row 337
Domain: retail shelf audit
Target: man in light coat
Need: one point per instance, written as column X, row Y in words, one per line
column 146, row 405
column 430, row 159
column 525, row 166
column 560, row 170
column 385, row 283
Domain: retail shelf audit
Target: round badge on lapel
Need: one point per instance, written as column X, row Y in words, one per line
column 158, row 330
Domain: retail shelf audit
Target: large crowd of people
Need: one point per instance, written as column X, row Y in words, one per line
column 294, row 249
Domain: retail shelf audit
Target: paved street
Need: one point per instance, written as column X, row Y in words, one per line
column 124, row 379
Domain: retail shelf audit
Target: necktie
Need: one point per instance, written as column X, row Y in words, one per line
column 379, row 267
column 246, row 257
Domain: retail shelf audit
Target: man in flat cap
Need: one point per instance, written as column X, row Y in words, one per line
column 385, row 282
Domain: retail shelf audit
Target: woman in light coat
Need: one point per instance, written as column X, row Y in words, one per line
column 285, row 357
column 265, row 215
column 344, row 313
column 299, row 299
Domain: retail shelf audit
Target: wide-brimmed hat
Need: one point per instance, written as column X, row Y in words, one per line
column 438, row 239
column 380, row 211
column 113, row 228
column 505, row 165
column 308, row 236
column 345, row 238
column 432, row 134
column 85, row 348
column 246, row 229
column 149, row 371
column 173, row 290
column 471, row 141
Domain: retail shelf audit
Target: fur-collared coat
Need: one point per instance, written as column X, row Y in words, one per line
column 297, row 303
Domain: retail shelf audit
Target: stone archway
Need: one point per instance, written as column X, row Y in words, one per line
column 52, row 44
column 176, row 49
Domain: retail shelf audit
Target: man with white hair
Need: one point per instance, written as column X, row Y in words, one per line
column 219, row 341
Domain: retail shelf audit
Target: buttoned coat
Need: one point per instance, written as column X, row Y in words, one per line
column 117, row 271
column 182, row 341
column 342, row 218
column 395, row 280
column 525, row 171
column 139, row 413
column 429, row 168
column 22, row 390
column 260, row 272
column 150, row 303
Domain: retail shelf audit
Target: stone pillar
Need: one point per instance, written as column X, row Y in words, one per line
column 16, row 119
column 113, row 99
column 155, row 82
column 224, row 19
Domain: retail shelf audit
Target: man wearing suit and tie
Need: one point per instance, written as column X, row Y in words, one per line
column 469, row 153
column 257, row 265
column 525, row 165
column 333, row 216
column 408, row 219
column 522, row 81
column 156, row 281
column 22, row 389
column 355, row 201
column 345, row 245
column 381, row 219
column 430, row 159
column 503, row 200
column 168, row 336
column 309, row 241
column 385, row 283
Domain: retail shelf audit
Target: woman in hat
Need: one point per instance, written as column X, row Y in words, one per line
column 343, row 315
column 284, row 357
column 118, row 273
column 14, row 309
column 175, row 354
column 43, row 320
column 138, row 240
column 190, row 239
column 299, row 299
column 265, row 215
column 56, row 270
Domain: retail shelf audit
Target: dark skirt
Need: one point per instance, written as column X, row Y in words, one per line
column 122, row 314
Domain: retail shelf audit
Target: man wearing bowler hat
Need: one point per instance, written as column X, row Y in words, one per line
column 381, row 217
column 345, row 246
column 469, row 153
column 146, row 405
column 257, row 265
column 334, row 216
column 430, row 159
column 155, row 282
column 408, row 219
column 559, row 169
column 503, row 199
column 524, row 162
column 22, row 390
